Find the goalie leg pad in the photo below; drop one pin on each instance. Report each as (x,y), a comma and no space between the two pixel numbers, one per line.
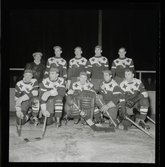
(70,110)
(87,100)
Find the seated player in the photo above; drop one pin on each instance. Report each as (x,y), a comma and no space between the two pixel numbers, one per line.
(109,97)
(83,94)
(136,96)
(52,93)
(26,99)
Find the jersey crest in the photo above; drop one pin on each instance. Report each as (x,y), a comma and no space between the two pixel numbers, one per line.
(27,87)
(52,85)
(98,61)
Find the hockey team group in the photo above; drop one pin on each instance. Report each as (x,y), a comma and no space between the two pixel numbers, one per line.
(81,90)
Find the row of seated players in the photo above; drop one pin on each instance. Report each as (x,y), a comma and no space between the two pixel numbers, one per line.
(50,99)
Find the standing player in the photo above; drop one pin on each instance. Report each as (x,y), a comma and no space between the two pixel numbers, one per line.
(52,93)
(97,64)
(37,67)
(58,61)
(120,64)
(26,98)
(76,65)
(136,96)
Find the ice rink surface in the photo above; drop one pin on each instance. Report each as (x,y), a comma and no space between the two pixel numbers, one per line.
(78,143)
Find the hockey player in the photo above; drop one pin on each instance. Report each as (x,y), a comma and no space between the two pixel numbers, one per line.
(136,96)
(26,99)
(76,65)
(82,93)
(97,64)
(110,96)
(59,62)
(37,67)
(120,64)
(52,94)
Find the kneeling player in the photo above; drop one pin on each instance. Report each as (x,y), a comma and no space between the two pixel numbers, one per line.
(26,98)
(136,96)
(82,94)
(109,98)
(52,94)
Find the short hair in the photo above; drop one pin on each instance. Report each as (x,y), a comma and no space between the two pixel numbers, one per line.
(98,46)
(77,47)
(57,47)
(129,70)
(122,48)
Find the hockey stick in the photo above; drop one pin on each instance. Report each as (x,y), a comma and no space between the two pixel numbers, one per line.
(139,127)
(108,114)
(20,127)
(38,138)
(91,124)
(151,120)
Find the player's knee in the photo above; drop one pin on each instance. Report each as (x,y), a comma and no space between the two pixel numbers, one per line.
(69,100)
(144,102)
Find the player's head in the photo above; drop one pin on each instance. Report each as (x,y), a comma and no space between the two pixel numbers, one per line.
(78,51)
(107,75)
(129,74)
(28,75)
(53,73)
(122,52)
(37,56)
(83,77)
(57,50)
(98,50)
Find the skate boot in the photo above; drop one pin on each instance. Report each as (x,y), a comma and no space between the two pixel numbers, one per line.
(66,119)
(83,122)
(143,124)
(36,121)
(76,120)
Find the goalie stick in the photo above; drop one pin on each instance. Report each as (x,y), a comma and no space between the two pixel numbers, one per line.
(92,125)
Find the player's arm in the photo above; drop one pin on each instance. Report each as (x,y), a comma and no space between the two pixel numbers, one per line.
(113,69)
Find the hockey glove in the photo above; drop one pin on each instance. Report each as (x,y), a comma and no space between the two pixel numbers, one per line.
(44,111)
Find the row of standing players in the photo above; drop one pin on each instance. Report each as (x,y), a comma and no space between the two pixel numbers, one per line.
(46,91)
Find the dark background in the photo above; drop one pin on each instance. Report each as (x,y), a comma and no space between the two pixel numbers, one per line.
(135,28)
(39,25)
